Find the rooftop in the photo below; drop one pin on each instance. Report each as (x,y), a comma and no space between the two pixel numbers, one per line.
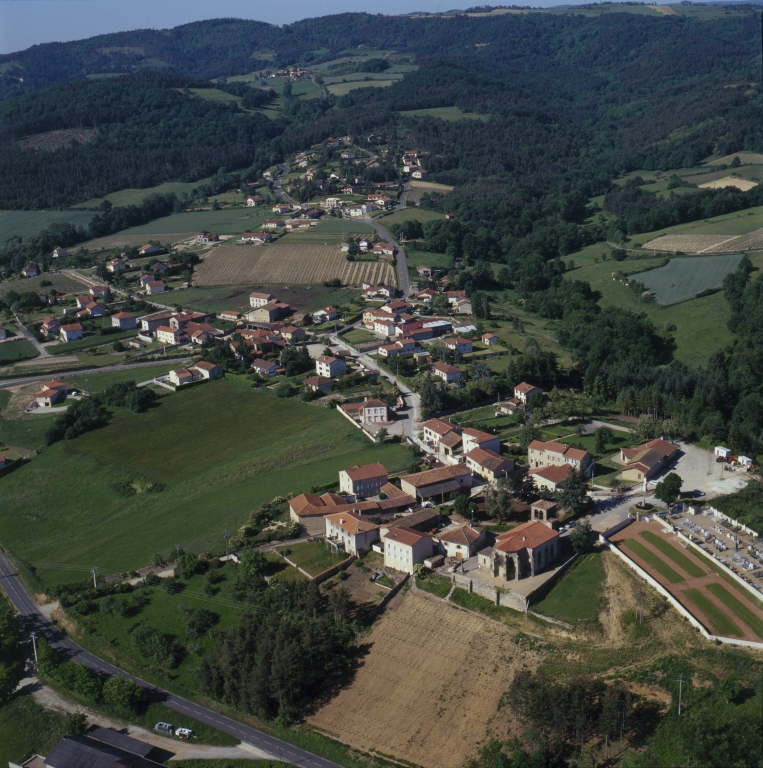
(404,535)
(526,535)
(366,472)
(432,476)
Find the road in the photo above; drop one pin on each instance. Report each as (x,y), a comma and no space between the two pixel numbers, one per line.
(31,339)
(88,371)
(35,621)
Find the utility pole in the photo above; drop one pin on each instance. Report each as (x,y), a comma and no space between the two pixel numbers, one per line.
(177,549)
(87,386)
(34,645)
(94,570)
(227,536)
(680,691)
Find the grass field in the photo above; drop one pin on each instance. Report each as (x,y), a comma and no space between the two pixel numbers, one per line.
(654,560)
(683,279)
(13,351)
(674,554)
(95,340)
(342,89)
(135,196)
(739,223)
(221,450)
(231,221)
(62,283)
(414,258)
(314,556)
(721,623)
(358,336)
(305,264)
(435,585)
(740,609)
(411,214)
(27,729)
(27,432)
(325,232)
(577,595)
(29,223)
(451,114)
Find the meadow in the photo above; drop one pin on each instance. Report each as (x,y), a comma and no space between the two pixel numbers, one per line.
(325,232)
(342,89)
(415,258)
(136,196)
(62,283)
(230,221)
(219,450)
(450,114)
(683,279)
(577,594)
(13,351)
(411,214)
(29,223)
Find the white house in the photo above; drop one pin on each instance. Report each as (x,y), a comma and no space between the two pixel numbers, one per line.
(71,332)
(362,481)
(459,345)
(354,532)
(475,438)
(446,372)
(524,391)
(125,321)
(154,286)
(256,237)
(324,315)
(489,339)
(260,299)
(265,368)
(167,335)
(254,200)
(182,376)
(329,366)
(405,547)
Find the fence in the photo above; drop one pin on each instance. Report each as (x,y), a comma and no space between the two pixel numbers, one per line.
(731,520)
(356,424)
(329,572)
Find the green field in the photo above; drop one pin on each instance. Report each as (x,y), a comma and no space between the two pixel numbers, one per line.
(342,89)
(27,432)
(314,556)
(435,585)
(326,232)
(683,279)
(97,382)
(415,258)
(206,445)
(358,336)
(62,283)
(577,594)
(29,223)
(135,196)
(231,221)
(749,617)
(27,729)
(450,114)
(88,342)
(722,624)
(411,214)
(653,559)
(13,351)
(674,554)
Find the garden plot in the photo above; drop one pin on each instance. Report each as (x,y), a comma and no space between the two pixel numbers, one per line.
(683,279)
(305,264)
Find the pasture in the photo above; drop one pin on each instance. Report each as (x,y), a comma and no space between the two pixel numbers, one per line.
(415,258)
(29,223)
(62,283)
(230,221)
(450,114)
(135,196)
(305,264)
(342,89)
(419,187)
(13,351)
(220,450)
(683,279)
(411,214)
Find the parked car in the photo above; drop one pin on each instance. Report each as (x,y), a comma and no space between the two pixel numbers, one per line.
(164,728)
(184,733)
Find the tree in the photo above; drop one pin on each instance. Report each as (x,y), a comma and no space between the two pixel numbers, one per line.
(579,535)
(574,494)
(11,657)
(75,724)
(122,693)
(603,437)
(669,489)
(284,389)
(381,435)
(463,504)
(498,499)
(523,487)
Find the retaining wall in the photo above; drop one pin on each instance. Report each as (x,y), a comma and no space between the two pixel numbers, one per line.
(731,520)
(356,424)
(329,572)
(507,599)
(379,608)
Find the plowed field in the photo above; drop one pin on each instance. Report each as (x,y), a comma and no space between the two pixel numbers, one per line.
(307,264)
(707,243)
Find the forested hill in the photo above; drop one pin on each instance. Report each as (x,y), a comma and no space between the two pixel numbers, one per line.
(225,47)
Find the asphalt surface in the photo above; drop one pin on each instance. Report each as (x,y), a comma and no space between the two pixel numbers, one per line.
(35,621)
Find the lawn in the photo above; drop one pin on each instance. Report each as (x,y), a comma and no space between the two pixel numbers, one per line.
(577,594)
(358,336)
(27,432)
(27,729)
(683,279)
(62,283)
(654,560)
(753,621)
(674,554)
(314,556)
(722,624)
(97,382)
(12,352)
(220,450)
(726,576)
(435,585)
(415,258)
(280,570)
(450,114)
(29,223)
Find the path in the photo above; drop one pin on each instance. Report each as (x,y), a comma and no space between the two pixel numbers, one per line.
(33,619)
(32,340)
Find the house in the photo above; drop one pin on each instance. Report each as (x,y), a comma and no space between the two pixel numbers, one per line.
(292,333)
(384,326)
(51,393)
(254,200)
(437,482)
(207,370)
(207,237)
(125,321)
(100,291)
(463,307)
(273,223)
(488,465)
(450,216)
(266,368)
(309,510)
(348,155)
(405,547)
(551,478)
(426,295)
(154,286)
(260,299)
(489,339)
(282,209)
(324,315)
(352,531)
(455,296)
(647,460)
(391,350)
(49,325)
(371,411)
(148,250)
(436,429)
(545,454)
(144,280)
(311,213)
(329,366)
(462,542)
(60,253)
(71,332)
(397,306)
(166,334)
(256,237)
(509,407)
(181,376)
(268,313)
(524,391)
(459,345)
(446,372)
(229,314)
(439,327)
(198,333)
(116,265)
(520,552)
(318,383)
(29,271)
(83,301)
(150,324)
(362,481)
(299,224)
(356,211)
(93,309)
(419,173)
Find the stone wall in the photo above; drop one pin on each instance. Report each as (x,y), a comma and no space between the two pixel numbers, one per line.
(507,599)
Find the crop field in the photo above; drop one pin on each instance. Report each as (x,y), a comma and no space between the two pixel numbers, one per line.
(13,351)
(751,242)
(426,702)
(688,575)
(730,181)
(305,264)
(451,114)
(208,449)
(30,223)
(126,240)
(683,279)
(688,243)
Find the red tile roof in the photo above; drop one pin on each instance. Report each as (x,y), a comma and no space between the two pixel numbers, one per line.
(432,476)
(464,534)
(404,535)
(367,472)
(554,474)
(525,536)
(352,522)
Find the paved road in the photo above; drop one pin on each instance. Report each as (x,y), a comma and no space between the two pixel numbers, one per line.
(88,371)
(22,601)
(402,266)
(31,339)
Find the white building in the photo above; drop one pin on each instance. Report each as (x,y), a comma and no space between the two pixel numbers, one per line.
(362,481)
(405,547)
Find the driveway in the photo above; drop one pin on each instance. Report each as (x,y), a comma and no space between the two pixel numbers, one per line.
(32,340)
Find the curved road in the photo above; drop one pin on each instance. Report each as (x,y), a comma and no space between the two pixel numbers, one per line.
(22,601)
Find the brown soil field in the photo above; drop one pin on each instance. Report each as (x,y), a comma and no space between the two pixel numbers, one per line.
(428,686)
(122,241)
(751,242)
(729,181)
(690,582)
(666,10)
(707,243)
(419,187)
(304,264)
